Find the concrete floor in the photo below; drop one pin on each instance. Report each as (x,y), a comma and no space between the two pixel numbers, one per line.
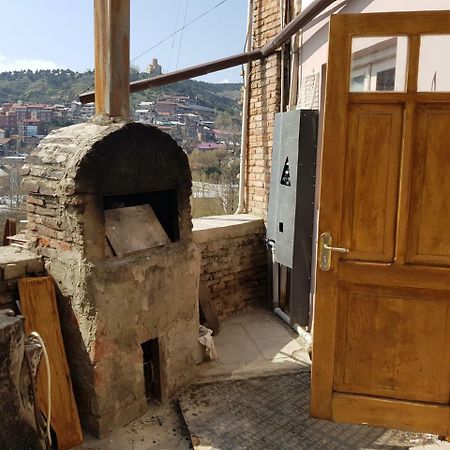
(254,343)
(161,428)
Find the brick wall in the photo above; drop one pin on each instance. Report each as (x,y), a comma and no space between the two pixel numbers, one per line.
(233,261)
(264,103)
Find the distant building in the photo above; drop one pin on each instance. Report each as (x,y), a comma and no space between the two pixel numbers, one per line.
(166,107)
(30,128)
(154,69)
(204,146)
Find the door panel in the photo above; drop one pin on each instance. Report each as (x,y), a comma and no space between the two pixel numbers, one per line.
(385,412)
(371,181)
(386,335)
(381,351)
(430,206)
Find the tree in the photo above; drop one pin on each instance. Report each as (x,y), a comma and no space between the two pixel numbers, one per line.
(215,175)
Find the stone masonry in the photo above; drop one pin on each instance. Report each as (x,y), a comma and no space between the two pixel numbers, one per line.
(14,264)
(110,306)
(264,103)
(234,261)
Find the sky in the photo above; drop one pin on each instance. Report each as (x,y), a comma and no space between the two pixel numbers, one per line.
(50,34)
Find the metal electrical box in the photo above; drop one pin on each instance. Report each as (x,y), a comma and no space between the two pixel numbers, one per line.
(291,202)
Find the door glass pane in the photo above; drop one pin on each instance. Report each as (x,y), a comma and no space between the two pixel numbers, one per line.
(379,64)
(434,64)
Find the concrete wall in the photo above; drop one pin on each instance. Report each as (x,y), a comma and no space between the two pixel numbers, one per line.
(138,298)
(233,261)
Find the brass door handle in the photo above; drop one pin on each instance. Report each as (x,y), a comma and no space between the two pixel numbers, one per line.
(325,249)
(336,249)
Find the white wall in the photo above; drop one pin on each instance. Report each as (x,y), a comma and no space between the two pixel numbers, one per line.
(314,38)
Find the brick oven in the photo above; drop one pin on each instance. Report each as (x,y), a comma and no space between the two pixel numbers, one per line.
(108,208)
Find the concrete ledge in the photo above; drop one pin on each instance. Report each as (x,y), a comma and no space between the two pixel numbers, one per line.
(212,228)
(16,262)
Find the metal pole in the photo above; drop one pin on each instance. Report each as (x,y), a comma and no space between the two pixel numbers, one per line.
(245,111)
(285,35)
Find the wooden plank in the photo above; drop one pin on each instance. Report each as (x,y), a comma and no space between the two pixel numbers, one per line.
(333,163)
(413,62)
(401,98)
(38,304)
(112,56)
(133,228)
(399,23)
(207,308)
(410,416)
(407,276)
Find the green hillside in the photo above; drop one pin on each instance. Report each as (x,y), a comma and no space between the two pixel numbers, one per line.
(63,86)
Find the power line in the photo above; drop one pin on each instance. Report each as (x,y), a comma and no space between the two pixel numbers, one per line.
(181,36)
(173,39)
(180,29)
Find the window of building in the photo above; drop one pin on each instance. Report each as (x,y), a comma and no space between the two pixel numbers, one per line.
(379,64)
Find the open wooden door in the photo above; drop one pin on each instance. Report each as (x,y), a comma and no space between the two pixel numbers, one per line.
(381,350)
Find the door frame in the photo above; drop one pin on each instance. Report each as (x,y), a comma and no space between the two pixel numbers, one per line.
(325,403)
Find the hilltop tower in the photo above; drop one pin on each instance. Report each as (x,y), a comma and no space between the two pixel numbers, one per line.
(154,69)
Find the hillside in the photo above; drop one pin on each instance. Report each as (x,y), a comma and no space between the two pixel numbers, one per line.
(63,86)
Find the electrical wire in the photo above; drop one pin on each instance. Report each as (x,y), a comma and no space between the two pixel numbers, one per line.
(173,39)
(36,335)
(180,29)
(162,41)
(182,32)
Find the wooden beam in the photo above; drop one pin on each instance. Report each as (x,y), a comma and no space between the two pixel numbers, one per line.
(112,56)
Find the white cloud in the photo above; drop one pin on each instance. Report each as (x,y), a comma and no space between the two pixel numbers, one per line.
(7,64)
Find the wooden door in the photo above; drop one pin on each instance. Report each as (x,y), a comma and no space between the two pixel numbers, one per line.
(381,350)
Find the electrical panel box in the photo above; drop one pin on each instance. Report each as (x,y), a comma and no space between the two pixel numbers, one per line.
(292,185)
(291,202)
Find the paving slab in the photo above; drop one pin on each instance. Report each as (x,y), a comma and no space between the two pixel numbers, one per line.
(272,413)
(254,343)
(263,328)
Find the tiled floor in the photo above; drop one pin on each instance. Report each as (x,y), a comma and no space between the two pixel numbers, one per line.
(254,342)
(272,413)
